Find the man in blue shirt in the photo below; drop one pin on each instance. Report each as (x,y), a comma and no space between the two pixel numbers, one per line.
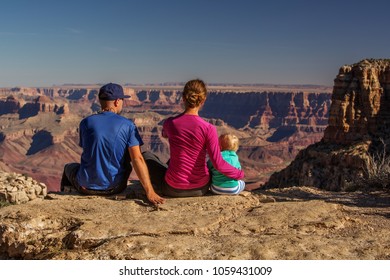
(109,143)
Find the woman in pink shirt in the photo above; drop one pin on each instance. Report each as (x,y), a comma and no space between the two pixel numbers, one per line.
(190,139)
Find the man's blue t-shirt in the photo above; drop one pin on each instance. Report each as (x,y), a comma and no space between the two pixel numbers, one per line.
(105,138)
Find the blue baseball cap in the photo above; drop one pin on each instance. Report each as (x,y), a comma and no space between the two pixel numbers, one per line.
(111,92)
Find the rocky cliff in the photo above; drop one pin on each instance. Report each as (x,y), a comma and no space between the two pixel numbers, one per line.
(359,118)
(360,103)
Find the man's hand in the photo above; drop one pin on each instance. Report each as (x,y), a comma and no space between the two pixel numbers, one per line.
(155,198)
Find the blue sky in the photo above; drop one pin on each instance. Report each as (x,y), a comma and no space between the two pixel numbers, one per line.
(43,43)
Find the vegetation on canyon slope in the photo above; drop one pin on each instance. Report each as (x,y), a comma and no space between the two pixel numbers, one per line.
(377,171)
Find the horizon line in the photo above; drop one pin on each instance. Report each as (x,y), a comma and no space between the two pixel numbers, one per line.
(165,84)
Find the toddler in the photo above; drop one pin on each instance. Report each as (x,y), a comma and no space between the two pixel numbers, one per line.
(220,183)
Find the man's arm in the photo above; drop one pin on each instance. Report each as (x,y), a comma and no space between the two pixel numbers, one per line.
(143,175)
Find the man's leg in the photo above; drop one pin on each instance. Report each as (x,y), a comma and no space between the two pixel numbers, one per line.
(123,185)
(64,181)
(69,176)
(157,170)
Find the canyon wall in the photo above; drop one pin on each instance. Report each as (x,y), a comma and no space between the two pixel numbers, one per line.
(359,121)
(273,127)
(269,110)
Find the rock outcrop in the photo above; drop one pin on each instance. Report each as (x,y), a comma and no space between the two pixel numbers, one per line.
(42,104)
(359,118)
(11,105)
(360,103)
(17,189)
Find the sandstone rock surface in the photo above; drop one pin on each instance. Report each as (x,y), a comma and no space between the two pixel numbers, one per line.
(291,223)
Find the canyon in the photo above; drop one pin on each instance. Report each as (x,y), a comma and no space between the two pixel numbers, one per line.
(302,212)
(39,126)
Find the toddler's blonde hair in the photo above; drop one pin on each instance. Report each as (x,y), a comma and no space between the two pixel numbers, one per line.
(228,142)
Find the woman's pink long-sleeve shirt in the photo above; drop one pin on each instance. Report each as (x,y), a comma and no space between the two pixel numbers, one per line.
(190,137)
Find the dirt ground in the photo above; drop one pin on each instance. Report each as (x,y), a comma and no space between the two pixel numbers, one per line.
(297,223)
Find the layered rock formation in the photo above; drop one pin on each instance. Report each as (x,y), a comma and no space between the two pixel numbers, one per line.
(39,145)
(272,126)
(269,110)
(359,117)
(360,103)
(11,105)
(26,109)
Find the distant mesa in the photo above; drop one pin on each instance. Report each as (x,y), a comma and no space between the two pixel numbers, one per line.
(81,94)
(359,117)
(11,105)
(30,108)
(43,99)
